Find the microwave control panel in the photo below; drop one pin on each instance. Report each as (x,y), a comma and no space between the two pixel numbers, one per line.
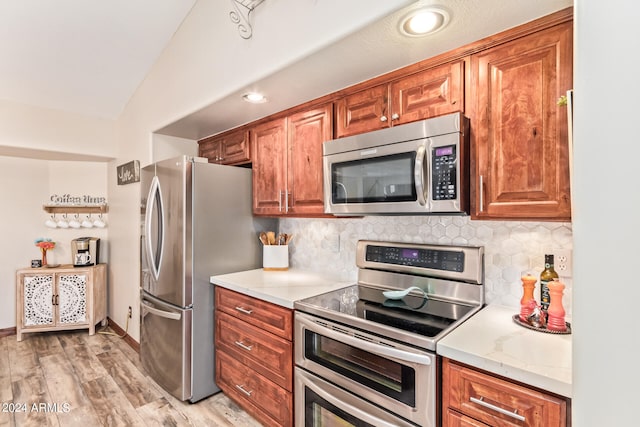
(444,172)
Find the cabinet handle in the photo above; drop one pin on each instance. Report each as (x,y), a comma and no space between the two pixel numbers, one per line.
(383,118)
(280,201)
(241,388)
(513,414)
(286,201)
(244,310)
(243,345)
(395,116)
(481,194)
(53,300)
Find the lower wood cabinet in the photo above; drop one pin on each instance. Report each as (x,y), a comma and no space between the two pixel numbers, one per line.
(63,298)
(471,397)
(254,356)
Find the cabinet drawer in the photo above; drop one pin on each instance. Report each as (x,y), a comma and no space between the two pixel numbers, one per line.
(266,353)
(270,404)
(270,317)
(495,401)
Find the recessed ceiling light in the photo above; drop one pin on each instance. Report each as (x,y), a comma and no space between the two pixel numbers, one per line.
(421,22)
(254,97)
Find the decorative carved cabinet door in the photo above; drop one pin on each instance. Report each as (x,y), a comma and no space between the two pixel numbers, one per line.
(72,302)
(38,300)
(521,142)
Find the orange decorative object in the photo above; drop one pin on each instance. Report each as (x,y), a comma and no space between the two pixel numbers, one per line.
(528,284)
(555,313)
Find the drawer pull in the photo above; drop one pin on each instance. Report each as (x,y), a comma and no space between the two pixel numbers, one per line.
(244,310)
(513,414)
(243,345)
(241,388)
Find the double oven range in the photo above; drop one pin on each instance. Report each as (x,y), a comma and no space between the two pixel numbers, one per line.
(363,359)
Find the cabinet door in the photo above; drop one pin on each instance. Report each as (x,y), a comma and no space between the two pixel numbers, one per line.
(307,131)
(522,153)
(363,111)
(429,93)
(210,149)
(268,145)
(494,401)
(231,148)
(37,293)
(72,299)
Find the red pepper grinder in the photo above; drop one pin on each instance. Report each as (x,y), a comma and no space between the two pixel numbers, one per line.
(528,284)
(555,312)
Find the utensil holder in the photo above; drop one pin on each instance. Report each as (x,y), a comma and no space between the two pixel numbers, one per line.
(275,257)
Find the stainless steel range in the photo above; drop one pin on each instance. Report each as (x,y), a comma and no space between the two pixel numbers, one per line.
(368,359)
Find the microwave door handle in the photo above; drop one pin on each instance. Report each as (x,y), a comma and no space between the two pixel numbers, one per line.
(419,175)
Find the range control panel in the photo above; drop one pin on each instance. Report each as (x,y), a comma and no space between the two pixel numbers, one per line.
(435,259)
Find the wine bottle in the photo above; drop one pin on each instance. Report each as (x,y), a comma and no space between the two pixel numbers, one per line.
(547,275)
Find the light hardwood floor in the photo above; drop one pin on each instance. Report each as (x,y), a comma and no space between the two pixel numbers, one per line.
(73,379)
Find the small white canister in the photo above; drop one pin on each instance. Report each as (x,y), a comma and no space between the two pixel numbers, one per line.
(275,257)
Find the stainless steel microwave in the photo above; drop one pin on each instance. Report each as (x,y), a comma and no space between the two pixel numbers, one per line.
(412,169)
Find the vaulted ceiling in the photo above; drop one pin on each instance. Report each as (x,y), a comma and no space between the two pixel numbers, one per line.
(89,56)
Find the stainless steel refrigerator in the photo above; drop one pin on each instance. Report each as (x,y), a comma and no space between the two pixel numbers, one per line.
(196,222)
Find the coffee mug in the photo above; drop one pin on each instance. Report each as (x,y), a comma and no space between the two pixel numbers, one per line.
(99,222)
(83,258)
(87,223)
(51,223)
(62,223)
(74,223)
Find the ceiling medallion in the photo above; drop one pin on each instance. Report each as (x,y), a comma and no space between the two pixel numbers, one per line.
(240,15)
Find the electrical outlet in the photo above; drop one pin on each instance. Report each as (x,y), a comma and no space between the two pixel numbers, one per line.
(563,262)
(129,313)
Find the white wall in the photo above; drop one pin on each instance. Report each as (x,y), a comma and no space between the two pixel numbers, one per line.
(166,147)
(26,185)
(196,69)
(26,129)
(606,220)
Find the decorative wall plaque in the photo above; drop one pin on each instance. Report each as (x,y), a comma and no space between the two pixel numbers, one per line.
(129,172)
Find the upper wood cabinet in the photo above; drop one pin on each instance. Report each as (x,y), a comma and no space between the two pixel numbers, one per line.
(287,163)
(229,148)
(519,133)
(428,93)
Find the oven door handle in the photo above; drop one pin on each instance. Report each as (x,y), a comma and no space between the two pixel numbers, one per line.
(384,351)
(310,382)
(419,175)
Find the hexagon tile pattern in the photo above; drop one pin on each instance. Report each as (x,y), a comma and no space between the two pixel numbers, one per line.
(511,247)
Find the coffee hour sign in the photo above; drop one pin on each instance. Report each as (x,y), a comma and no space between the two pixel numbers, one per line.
(128,173)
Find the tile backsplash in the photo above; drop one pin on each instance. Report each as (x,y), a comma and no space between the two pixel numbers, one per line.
(511,247)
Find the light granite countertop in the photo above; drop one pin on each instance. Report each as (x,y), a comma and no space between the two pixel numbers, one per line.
(279,287)
(491,341)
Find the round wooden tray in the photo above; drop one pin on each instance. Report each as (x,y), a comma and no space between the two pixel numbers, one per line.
(516,320)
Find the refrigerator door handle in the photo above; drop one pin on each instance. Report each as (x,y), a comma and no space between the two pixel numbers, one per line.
(146,298)
(154,204)
(161,313)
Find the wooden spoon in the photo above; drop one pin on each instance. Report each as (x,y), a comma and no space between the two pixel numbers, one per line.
(263,238)
(272,237)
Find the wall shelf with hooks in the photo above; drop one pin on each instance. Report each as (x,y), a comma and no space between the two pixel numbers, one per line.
(76,209)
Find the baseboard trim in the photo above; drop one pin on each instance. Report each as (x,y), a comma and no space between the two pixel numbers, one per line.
(127,338)
(7,332)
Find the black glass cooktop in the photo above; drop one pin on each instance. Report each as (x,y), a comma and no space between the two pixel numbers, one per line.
(367,308)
